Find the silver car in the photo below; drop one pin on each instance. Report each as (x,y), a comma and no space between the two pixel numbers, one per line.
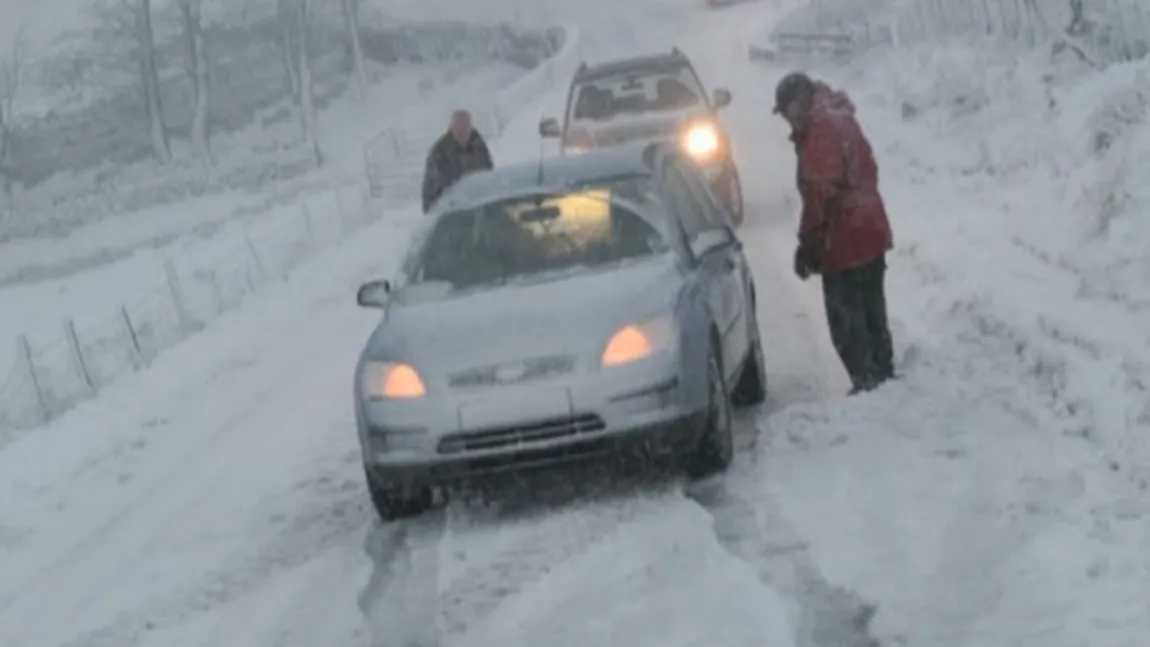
(573,309)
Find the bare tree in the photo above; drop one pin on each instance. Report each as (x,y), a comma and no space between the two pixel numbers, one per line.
(197,68)
(11,76)
(351,21)
(285,10)
(295,20)
(150,80)
(1077,23)
(309,120)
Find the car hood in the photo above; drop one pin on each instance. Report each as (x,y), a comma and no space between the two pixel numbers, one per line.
(572,316)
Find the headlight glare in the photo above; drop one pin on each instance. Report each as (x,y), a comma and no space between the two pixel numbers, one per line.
(391,381)
(638,341)
(702,141)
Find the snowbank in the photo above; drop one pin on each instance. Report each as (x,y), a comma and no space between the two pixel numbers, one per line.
(1041,231)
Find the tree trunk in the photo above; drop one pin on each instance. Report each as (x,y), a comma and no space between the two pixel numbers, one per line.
(198,71)
(5,154)
(150,81)
(288,47)
(1077,18)
(306,98)
(351,21)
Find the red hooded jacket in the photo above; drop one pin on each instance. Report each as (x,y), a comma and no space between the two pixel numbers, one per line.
(844,222)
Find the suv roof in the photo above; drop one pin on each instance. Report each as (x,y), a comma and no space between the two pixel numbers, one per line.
(675,58)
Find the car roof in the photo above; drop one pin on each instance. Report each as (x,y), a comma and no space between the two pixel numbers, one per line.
(636,64)
(523,178)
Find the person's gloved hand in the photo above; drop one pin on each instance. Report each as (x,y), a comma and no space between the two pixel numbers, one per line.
(804,263)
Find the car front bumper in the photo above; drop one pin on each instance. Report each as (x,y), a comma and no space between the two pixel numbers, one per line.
(636,412)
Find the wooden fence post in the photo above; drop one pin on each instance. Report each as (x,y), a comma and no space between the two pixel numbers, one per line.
(134,351)
(24,352)
(77,354)
(182,315)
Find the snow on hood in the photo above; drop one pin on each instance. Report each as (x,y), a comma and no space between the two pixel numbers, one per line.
(571,315)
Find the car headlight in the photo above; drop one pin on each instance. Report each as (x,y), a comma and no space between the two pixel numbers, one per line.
(702,141)
(575,149)
(390,381)
(638,341)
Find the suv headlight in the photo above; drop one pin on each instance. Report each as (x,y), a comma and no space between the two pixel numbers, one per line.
(702,141)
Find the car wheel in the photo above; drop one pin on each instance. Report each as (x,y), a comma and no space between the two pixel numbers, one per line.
(393,504)
(752,386)
(716,449)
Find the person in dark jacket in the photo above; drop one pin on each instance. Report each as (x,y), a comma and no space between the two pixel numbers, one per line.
(461,150)
(844,232)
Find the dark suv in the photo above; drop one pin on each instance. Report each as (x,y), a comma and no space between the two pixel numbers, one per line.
(652,98)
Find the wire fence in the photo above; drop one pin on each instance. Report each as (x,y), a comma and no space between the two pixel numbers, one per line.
(48,378)
(1105,30)
(1110,29)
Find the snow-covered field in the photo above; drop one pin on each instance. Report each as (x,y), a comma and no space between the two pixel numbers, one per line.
(995,495)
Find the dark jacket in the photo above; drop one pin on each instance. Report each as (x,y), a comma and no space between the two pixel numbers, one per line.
(448,161)
(844,222)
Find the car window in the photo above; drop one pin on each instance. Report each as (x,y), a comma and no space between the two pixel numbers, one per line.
(536,237)
(684,203)
(660,89)
(714,214)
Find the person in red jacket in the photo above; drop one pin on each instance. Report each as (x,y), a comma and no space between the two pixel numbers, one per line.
(844,233)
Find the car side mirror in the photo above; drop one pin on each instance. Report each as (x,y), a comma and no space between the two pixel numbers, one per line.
(373,294)
(711,240)
(722,98)
(549,128)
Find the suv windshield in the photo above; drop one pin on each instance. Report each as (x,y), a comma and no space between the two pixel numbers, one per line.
(655,90)
(531,236)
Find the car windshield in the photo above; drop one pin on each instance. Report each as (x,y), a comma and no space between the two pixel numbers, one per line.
(656,90)
(530,237)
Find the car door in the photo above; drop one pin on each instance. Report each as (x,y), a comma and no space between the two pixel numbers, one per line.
(728,263)
(715,271)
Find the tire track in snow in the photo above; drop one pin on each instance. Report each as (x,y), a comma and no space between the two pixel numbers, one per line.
(436,576)
(827,615)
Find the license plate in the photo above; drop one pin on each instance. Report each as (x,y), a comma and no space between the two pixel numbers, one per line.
(524,405)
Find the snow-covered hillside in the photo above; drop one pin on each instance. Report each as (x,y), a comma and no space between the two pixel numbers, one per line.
(1007,471)
(994,496)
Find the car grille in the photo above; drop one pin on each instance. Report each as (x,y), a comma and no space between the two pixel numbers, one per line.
(511,436)
(532,369)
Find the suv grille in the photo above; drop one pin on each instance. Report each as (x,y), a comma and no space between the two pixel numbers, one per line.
(499,437)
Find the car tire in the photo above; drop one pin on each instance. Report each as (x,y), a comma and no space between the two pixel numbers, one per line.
(716,448)
(393,504)
(752,386)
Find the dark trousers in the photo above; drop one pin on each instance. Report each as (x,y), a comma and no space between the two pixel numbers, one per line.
(856,312)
